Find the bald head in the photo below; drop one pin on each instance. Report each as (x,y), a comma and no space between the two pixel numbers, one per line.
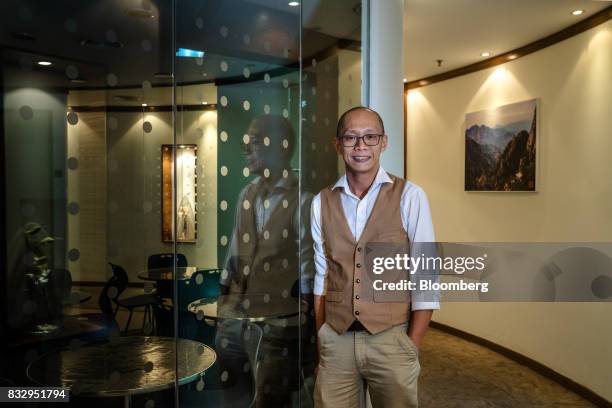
(355,110)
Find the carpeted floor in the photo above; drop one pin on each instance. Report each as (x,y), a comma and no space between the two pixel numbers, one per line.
(458,373)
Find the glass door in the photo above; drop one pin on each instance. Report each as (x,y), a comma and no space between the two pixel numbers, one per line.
(159,161)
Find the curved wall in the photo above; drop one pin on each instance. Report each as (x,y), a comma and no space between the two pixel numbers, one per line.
(574,201)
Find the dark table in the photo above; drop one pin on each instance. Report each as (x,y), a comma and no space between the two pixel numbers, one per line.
(125,366)
(251,307)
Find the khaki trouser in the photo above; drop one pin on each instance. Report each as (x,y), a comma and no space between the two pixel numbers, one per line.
(386,362)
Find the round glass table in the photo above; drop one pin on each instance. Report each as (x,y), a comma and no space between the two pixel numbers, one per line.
(251,307)
(124,366)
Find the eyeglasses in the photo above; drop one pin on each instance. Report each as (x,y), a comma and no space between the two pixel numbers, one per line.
(369,140)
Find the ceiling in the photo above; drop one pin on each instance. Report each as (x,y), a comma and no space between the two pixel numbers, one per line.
(103,44)
(458,31)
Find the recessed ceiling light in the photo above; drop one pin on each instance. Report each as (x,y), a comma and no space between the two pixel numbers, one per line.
(44,63)
(294,3)
(204,103)
(405,80)
(577,12)
(485,54)
(144,105)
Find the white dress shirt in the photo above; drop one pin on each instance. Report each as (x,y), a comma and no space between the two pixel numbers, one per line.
(265,204)
(416,220)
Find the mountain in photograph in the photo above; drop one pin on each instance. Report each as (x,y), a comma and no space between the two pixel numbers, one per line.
(501,158)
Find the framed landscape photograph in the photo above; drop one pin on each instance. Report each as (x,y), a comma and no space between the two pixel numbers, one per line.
(500,148)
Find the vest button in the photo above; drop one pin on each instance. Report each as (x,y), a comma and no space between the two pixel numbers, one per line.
(359,265)
(356,312)
(357,280)
(357,297)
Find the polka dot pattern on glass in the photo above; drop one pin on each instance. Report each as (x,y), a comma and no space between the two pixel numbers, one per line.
(26,112)
(72,163)
(72,118)
(73,208)
(74,254)
(72,72)
(111,79)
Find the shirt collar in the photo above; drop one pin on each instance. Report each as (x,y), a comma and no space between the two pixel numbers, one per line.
(381,178)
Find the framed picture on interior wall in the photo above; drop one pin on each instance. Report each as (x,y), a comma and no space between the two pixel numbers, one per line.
(186,182)
(501,148)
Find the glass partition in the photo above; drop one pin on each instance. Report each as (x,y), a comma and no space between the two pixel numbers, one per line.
(159,161)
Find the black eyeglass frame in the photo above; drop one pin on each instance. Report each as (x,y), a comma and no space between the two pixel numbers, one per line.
(363,138)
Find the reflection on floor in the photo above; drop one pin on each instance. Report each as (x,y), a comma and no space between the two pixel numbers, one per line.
(459,373)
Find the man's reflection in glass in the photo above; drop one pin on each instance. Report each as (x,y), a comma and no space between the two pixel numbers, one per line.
(269,260)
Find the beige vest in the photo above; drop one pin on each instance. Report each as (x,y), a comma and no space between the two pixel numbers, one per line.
(350,295)
(271,256)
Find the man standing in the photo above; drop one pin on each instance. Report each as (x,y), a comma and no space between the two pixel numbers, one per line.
(361,340)
(266,261)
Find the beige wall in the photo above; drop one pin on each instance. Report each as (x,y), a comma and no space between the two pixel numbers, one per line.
(86,185)
(118,185)
(572,79)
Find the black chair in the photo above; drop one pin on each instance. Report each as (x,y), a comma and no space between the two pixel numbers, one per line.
(157,261)
(105,319)
(120,279)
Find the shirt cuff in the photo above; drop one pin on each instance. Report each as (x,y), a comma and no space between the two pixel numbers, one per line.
(425,306)
(319,286)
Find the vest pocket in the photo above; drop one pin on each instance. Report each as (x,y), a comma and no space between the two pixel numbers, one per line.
(333,296)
